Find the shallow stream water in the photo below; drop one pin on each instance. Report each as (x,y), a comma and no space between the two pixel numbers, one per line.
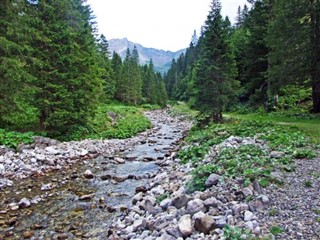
(75,207)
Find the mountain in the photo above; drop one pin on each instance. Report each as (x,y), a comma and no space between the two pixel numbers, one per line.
(161,59)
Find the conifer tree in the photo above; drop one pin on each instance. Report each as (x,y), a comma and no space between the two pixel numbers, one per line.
(68,83)
(106,70)
(216,66)
(14,72)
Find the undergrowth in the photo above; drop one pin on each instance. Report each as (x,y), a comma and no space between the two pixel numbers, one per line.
(250,162)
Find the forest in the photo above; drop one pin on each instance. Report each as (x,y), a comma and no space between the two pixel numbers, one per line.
(267,61)
(56,70)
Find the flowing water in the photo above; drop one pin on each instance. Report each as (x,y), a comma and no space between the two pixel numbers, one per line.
(75,207)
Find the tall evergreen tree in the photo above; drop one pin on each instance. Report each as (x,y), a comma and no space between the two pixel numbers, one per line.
(106,68)
(216,66)
(14,51)
(68,82)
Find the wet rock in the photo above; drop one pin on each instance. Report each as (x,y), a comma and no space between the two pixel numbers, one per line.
(88,174)
(119,160)
(24,203)
(13,206)
(185,226)
(121,178)
(86,197)
(28,234)
(62,236)
(47,187)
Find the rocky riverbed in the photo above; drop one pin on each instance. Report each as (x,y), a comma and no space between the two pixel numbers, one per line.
(136,189)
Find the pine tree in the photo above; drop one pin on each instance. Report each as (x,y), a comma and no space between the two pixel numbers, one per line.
(68,83)
(216,66)
(106,73)
(14,73)
(254,77)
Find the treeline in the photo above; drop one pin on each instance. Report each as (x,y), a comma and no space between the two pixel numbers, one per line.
(55,69)
(273,49)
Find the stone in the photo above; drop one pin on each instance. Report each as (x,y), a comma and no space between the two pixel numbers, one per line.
(52,151)
(164,204)
(221,222)
(185,226)
(180,201)
(195,205)
(47,187)
(248,216)
(28,234)
(247,192)
(276,154)
(2,169)
(139,224)
(92,150)
(238,208)
(204,224)
(165,236)
(24,203)
(211,202)
(88,174)
(174,231)
(213,179)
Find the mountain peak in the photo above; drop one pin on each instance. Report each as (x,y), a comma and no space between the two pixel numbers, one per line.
(161,59)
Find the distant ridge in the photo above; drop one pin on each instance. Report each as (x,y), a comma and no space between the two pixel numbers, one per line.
(161,59)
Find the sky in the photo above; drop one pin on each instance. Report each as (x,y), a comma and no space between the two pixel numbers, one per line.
(160,24)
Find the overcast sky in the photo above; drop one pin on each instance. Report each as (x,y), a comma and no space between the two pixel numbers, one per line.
(161,24)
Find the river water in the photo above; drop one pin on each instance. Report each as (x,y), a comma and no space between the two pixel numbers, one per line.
(71,206)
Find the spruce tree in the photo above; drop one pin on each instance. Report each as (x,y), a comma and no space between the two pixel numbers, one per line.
(106,72)
(68,83)
(216,67)
(14,74)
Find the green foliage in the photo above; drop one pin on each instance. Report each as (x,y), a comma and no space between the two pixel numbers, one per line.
(200,175)
(124,122)
(273,212)
(215,73)
(308,183)
(276,230)
(13,139)
(304,153)
(236,233)
(148,106)
(162,197)
(250,162)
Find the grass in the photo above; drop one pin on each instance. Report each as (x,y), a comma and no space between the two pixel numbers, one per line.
(182,108)
(113,121)
(311,127)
